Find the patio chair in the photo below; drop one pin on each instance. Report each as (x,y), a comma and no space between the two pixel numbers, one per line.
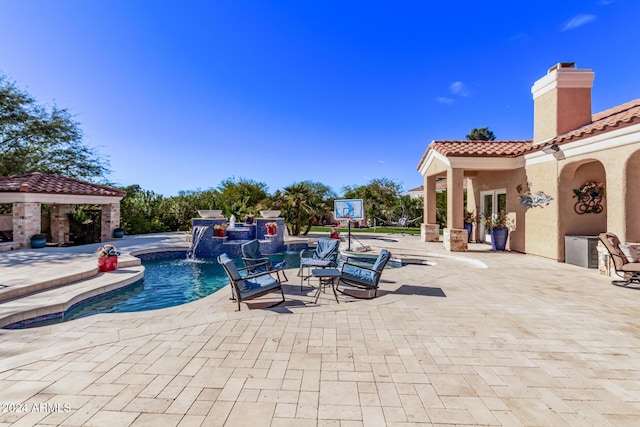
(363,277)
(628,269)
(252,285)
(325,255)
(255,260)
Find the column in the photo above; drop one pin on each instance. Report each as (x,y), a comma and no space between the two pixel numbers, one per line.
(430,230)
(60,223)
(110,221)
(455,236)
(26,222)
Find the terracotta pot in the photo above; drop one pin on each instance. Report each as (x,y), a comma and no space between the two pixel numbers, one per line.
(220,232)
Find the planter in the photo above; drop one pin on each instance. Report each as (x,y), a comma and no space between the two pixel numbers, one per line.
(469,227)
(334,235)
(271,230)
(499,237)
(220,232)
(107,263)
(248,220)
(118,233)
(38,241)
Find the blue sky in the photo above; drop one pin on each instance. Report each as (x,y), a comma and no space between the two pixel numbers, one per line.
(181,95)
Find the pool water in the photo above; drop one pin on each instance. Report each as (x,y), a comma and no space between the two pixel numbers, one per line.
(167,282)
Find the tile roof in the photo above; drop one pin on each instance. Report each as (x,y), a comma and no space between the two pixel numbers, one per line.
(421,188)
(623,115)
(40,183)
(463,148)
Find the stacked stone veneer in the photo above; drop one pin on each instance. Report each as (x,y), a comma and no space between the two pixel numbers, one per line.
(110,221)
(455,240)
(60,223)
(211,246)
(26,222)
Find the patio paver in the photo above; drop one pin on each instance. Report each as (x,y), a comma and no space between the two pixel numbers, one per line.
(524,341)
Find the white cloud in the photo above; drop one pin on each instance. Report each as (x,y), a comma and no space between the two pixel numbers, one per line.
(578,21)
(444,100)
(380,161)
(606,2)
(459,88)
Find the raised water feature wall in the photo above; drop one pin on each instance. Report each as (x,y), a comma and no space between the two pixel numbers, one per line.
(208,245)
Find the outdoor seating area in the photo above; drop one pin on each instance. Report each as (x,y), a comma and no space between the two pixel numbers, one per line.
(362,277)
(625,259)
(325,255)
(433,347)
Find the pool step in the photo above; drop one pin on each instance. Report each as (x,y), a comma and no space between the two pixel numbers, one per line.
(59,299)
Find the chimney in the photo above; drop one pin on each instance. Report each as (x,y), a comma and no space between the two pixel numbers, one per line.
(561,101)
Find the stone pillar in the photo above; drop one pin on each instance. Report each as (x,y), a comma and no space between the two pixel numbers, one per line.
(60,223)
(455,240)
(455,236)
(110,221)
(26,222)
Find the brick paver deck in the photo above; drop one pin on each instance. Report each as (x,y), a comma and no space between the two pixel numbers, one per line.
(525,341)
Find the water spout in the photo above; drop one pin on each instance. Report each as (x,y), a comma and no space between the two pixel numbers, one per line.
(196,235)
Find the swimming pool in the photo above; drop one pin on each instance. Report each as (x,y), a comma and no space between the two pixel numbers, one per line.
(170,279)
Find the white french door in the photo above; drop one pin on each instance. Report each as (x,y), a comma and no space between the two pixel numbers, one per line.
(491,202)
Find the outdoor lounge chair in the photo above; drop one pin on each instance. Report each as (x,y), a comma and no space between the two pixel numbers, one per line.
(325,255)
(250,286)
(364,277)
(255,260)
(628,270)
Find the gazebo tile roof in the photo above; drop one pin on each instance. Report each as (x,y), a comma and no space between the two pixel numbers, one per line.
(37,182)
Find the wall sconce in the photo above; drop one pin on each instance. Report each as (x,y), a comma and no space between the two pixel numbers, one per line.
(551,148)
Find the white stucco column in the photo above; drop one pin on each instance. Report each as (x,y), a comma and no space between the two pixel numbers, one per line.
(26,222)
(110,221)
(429,231)
(455,236)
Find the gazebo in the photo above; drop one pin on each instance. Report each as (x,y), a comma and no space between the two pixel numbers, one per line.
(29,192)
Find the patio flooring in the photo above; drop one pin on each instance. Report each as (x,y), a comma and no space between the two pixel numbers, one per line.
(479,338)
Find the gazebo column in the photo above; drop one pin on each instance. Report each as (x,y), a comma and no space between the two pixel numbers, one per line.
(455,236)
(26,222)
(60,223)
(430,230)
(110,221)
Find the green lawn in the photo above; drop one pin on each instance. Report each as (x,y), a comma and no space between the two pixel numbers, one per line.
(343,230)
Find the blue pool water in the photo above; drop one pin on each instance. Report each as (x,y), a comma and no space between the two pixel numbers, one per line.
(168,281)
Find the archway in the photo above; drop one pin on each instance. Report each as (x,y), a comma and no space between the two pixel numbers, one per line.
(574,218)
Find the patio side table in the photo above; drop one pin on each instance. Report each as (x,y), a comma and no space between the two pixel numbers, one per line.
(327,276)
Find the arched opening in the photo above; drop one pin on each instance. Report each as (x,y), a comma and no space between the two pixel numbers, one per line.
(574,218)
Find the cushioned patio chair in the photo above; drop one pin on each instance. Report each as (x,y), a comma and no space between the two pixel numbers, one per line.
(362,277)
(250,286)
(255,260)
(325,255)
(625,260)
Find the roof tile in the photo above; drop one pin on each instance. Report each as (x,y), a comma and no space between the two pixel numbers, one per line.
(40,183)
(463,148)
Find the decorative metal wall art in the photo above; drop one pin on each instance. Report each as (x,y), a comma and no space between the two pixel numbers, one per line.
(589,198)
(540,199)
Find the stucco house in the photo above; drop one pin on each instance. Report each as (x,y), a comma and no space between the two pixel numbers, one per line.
(571,147)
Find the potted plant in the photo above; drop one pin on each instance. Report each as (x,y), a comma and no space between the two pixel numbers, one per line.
(220,229)
(335,234)
(107,258)
(118,233)
(248,218)
(38,241)
(469,219)
(497,224)
(272,228)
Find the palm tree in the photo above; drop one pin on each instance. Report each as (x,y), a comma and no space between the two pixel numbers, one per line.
(297,196)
